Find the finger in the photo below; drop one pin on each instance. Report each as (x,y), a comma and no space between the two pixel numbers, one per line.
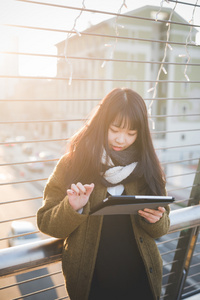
(70,192)
(162,209)
(75,188)
(89,188)
(150,217)
(81,188)
(153,212)
(153,219)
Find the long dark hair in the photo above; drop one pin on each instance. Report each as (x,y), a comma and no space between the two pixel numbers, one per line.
(86,146)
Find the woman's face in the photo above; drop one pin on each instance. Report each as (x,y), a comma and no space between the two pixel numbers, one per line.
(120,138)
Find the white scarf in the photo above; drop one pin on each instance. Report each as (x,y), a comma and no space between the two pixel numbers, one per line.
(116,174)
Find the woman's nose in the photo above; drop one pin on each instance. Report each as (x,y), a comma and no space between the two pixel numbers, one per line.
(120,138)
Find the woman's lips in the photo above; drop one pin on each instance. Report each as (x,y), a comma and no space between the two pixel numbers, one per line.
(117,148)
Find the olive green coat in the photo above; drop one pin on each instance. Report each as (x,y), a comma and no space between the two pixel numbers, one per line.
(82,234)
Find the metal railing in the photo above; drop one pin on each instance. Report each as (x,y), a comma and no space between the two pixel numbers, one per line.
(20,259)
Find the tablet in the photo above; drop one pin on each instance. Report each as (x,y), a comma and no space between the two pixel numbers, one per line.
(126,204)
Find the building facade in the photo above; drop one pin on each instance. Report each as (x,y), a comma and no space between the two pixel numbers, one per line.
(141,44)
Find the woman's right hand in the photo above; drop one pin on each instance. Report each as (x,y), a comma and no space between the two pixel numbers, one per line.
(79,194)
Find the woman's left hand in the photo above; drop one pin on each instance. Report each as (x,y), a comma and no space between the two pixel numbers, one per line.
(152,215)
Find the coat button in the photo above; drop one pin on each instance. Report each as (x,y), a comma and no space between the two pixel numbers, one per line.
(141,239)
(151,270)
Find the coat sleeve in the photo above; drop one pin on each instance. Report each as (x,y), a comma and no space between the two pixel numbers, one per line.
(56,217)
(159,228)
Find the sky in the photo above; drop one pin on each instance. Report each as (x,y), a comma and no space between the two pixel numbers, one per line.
(43,16)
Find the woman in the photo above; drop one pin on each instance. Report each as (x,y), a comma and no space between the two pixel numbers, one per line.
(108,257)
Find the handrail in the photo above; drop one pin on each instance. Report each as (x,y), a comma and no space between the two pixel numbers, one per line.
(184,218)
(19,259)
(22,258)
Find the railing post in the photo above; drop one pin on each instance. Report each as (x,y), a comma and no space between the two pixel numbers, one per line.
(186,244)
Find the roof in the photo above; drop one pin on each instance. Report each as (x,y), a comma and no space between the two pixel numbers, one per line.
(139,12)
